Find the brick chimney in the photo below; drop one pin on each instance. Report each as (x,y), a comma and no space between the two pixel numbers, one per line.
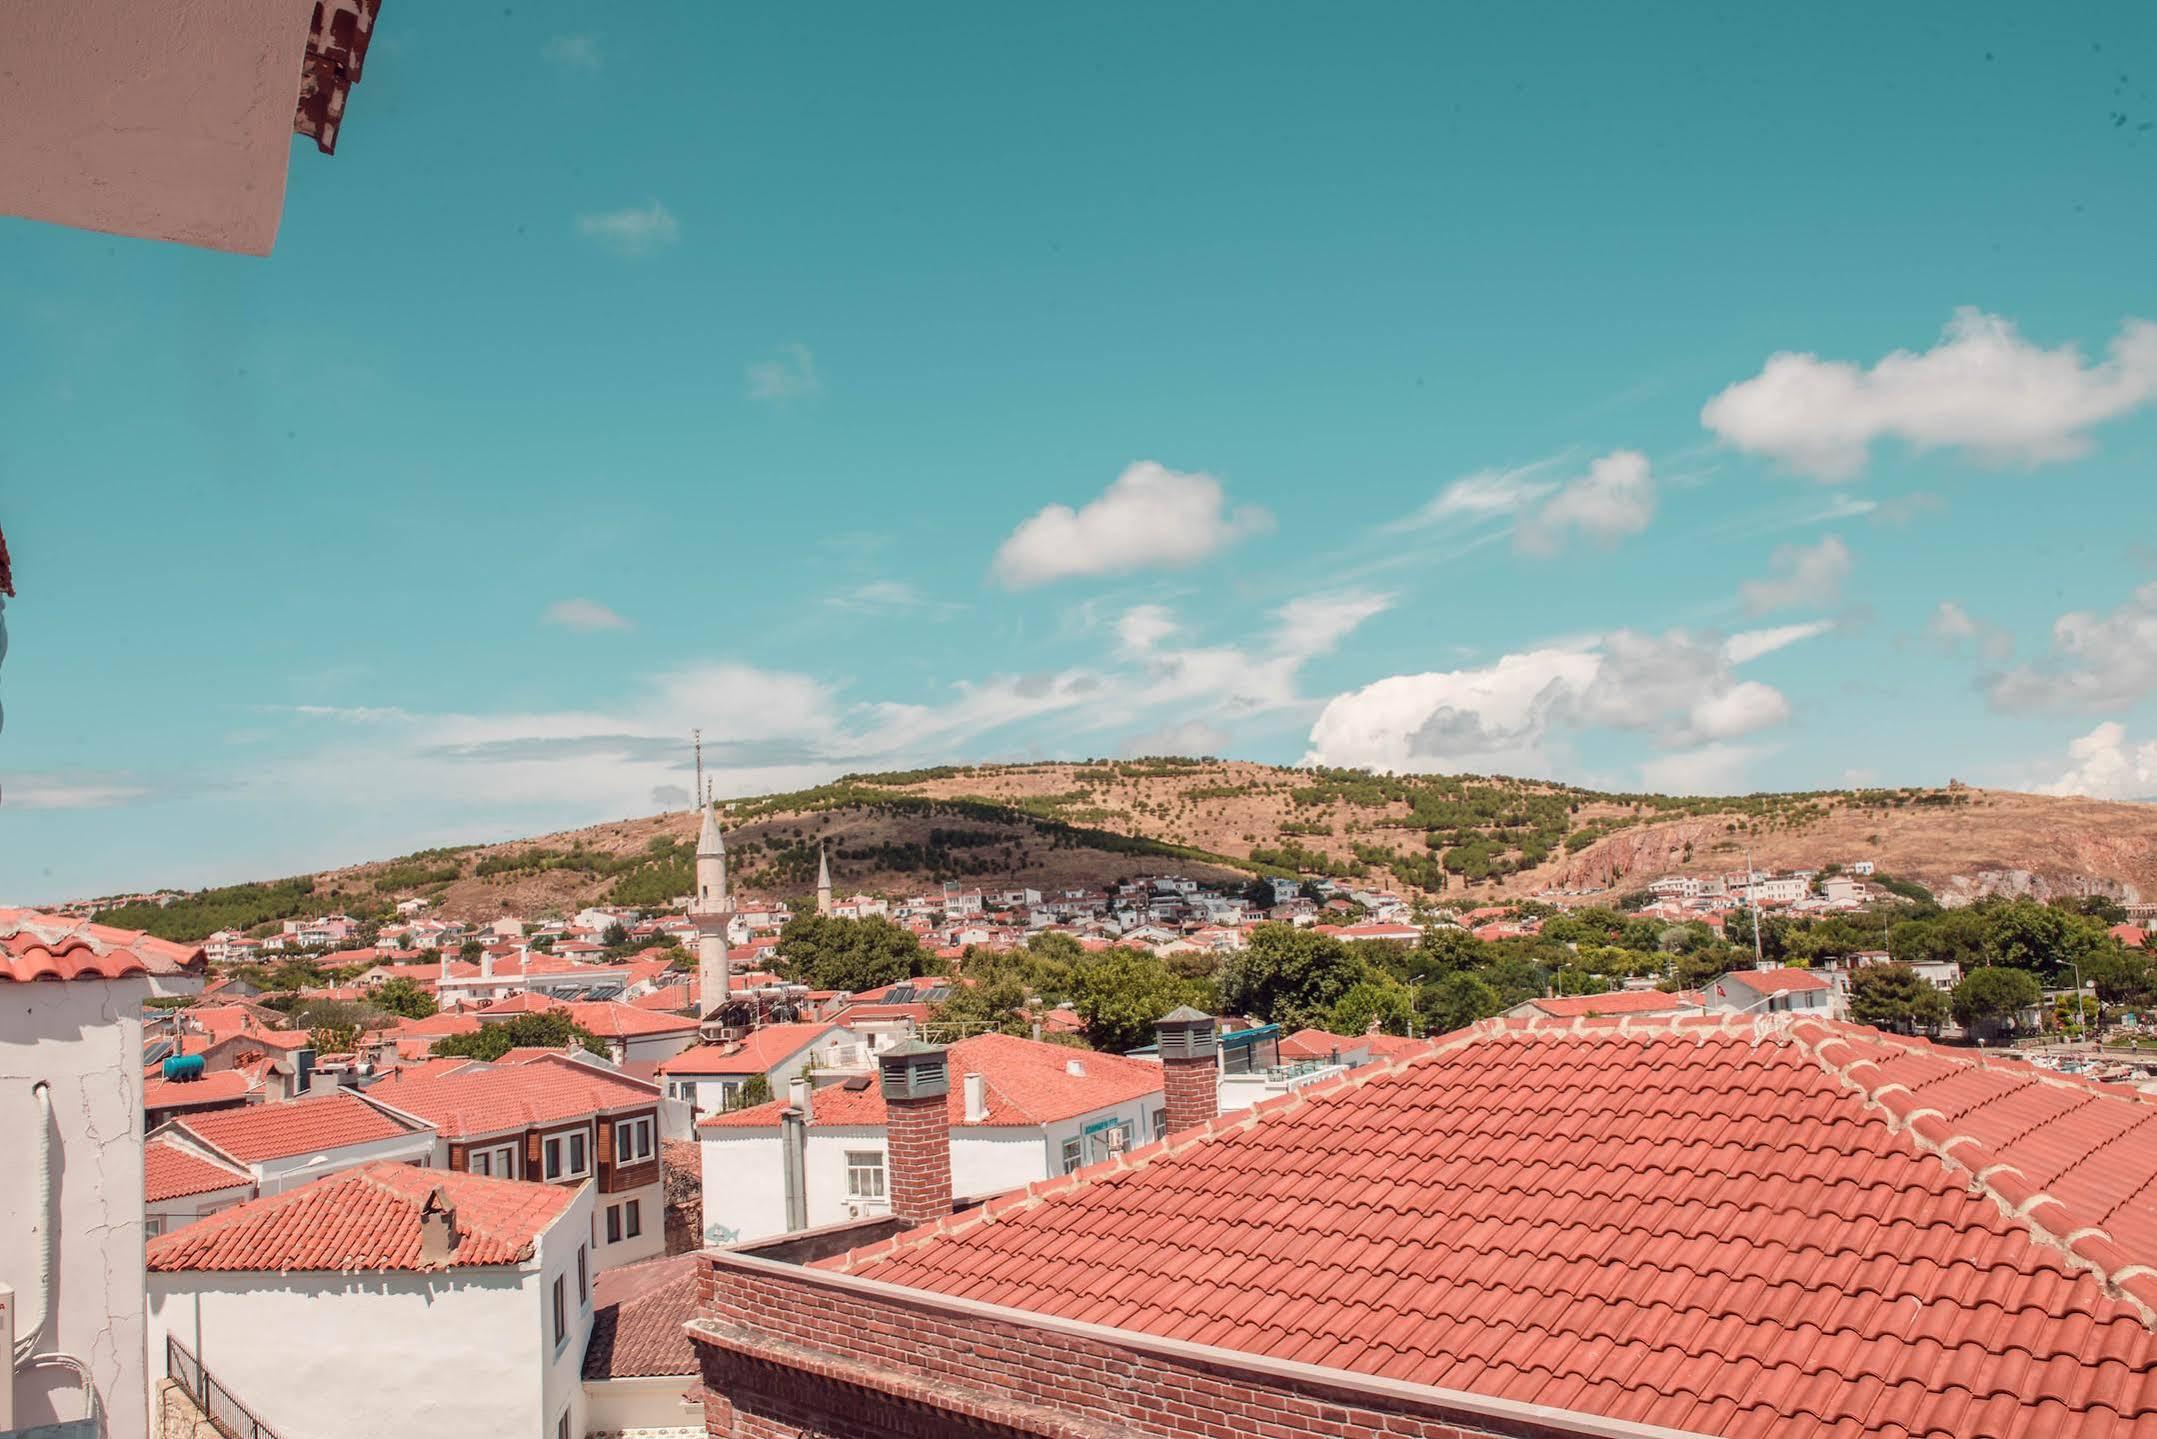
(917,1099)
(1190,1067)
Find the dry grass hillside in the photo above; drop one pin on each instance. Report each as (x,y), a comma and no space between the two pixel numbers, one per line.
(1048,825)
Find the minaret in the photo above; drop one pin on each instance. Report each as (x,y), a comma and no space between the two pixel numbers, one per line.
(823,881)
(712,909)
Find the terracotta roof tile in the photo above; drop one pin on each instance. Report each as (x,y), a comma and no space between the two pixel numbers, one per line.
(221,1087)
(638,1312)
(1623,1001)
(495,1099)
(761,1052)
(1028,1083)
(365,1219)
(1777,981)
(300,1126)
(36,946)
(172,1171)
(1731,1226)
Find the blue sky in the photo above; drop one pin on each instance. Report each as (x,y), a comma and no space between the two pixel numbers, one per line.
(1383,387)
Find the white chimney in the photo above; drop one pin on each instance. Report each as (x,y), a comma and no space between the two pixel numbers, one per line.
(1076,1068)
(445,964)
(486,964)
(977,1098)
(799,1093)
(437,1231)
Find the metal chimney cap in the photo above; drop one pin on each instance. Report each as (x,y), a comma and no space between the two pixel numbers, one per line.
(914,1070)
(1185,1033)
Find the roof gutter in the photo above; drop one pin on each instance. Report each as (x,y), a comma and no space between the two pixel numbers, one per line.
(1361,1388)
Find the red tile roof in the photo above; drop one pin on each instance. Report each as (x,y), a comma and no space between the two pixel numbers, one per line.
(603,1018)
(763,1051)
(366,1219)
(1029,1083)
(439,1025)
(496,1099)
(1623,1001)
(1729,1226)
(638,1312)
(221,1087)
(172,1172)
(301,1126)
(36,946)
(1322,1044)
(1777,981)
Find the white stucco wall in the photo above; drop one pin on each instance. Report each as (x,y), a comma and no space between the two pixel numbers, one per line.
(84,1039)
(274,1176)
(168,119)
(328,1356)
(652,1218)
(613,1406)
(745,1178)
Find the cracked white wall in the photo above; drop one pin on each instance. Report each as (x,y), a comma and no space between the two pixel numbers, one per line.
(84,1039)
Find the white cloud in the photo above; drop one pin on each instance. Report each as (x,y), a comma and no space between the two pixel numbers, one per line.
(891,596)
(1150,517)
(790,376)
(1800,575)
(1314,624)
(1711,769)
(1679,689)
(1983,389)
(1752,644)
(1614,499)
(572,52)
(2102,765)
(637,231)
(1192,737)
(2097,661)
(1955,630)
(582,615)
(1142,627)
(70,790)
(1481,495)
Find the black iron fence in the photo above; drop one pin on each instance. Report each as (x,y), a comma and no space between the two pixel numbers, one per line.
(212,1398)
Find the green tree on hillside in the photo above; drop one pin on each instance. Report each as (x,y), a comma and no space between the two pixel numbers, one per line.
(551,1029)
(1894,998)
(1288,976)
(401,996)
(849,954)
(1993,998)
(1122,992)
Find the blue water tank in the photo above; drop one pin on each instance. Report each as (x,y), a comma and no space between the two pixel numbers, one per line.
(183,1066)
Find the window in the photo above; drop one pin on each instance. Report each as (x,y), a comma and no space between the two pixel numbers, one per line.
(864,1174)
(614,1224)
(567,1157)
(153,1225)
(632,1140)
(632,1219)
(1160,1124)
(561,1425)
(584,1279)
(500,1161)
(561,1312)
(1071,1155)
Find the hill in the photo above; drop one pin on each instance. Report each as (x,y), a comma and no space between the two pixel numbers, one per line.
(1054,824)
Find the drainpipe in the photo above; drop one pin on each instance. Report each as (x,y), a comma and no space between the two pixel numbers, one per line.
(793,1145)
(48,1230)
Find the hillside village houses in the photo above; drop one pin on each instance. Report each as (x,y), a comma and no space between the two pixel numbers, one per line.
(444,1196)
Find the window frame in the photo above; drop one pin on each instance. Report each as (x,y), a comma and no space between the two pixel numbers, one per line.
(640,1128)
(1074,1153)
(632,1219)
(561,1310)
(567,1155)
(863,1165)
(614,1224)
(584,1277)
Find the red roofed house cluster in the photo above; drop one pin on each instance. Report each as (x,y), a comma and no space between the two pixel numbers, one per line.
(1019,1110)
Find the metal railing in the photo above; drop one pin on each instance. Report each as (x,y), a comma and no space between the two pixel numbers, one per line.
(228,1414)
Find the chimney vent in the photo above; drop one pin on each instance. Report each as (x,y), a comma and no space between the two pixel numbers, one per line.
(1076,1068)
(1190,1067)
(977,1098)
(916,1080)
(437,1231)
(800,1093)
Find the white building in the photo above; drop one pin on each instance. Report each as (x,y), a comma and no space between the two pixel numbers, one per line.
(1771,991)
(71,1178)
(388,1300)
(711,1076)
(181,1185)
(282,1145)
(1020,1111)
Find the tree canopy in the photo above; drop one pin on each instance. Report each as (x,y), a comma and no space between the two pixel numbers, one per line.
(851,954)
(550,1029)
